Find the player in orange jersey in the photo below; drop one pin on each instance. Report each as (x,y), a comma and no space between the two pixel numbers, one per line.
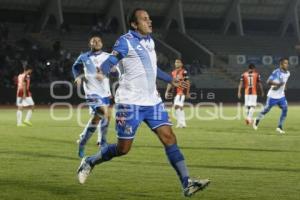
(24,98)
(180,73)
(250,79)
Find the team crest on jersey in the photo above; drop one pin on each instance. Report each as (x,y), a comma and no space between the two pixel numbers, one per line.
(128,130)
(96,61)
(149,48)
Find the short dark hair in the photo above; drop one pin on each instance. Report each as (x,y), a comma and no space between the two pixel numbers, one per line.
(94,35)
(132,17)
(251,66)
(283,59)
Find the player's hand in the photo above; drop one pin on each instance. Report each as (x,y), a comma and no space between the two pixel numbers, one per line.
(100,76)
(239,95)
(78,81)
(180,84)
(188,96)
(168,95)
(276,86)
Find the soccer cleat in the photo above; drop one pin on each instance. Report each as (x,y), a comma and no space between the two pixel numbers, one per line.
(254,124)
(279,130)
(194,186)
(83,171)
(81,151)
(80,138)
(27,123)
(180,126)
(21,125)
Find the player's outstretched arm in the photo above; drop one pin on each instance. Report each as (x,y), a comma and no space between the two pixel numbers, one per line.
(107,65)
(120,50)
(76,70)
(276,85)
(164,76)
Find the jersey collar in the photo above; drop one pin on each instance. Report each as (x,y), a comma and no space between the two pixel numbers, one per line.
(281,70)
(91,53)
(139,36)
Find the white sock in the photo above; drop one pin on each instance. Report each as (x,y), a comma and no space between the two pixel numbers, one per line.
(178,116)
(182,114)
(250,113)
(19,117)
(28,115)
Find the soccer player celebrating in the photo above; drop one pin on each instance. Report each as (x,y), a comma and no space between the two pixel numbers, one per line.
(181,74)
(24,98)
(137,100)
(250,79)
(97,91)
(276,95)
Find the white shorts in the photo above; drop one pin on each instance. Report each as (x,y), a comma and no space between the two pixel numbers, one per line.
(179,100)
(250,100)
(24,102)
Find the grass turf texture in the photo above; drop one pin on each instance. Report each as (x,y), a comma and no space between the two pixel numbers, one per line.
(40,162)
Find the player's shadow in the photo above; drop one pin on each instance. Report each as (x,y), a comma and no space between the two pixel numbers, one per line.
(37,155)
(41,186)
(222,149)
(51,140)
(222,167)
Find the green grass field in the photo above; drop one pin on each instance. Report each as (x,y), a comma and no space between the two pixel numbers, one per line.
(40,162)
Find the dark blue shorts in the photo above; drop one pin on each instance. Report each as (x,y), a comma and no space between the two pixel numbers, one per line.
(282,102)
(94,101)
(129,117)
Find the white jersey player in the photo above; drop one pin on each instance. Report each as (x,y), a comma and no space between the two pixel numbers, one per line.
(97,91)
(276,95)
(137,101)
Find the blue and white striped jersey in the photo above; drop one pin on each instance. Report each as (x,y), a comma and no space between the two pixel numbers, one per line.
(138,64)
(278,76)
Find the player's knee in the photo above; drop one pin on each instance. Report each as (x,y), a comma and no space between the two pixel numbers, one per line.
(284,110)
(95,120)
(123,151)
(266,109)
(168,138)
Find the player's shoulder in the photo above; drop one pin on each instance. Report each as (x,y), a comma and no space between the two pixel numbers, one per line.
(276,71)
(21,75)
(126,36)
(245,73)
(84,54)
